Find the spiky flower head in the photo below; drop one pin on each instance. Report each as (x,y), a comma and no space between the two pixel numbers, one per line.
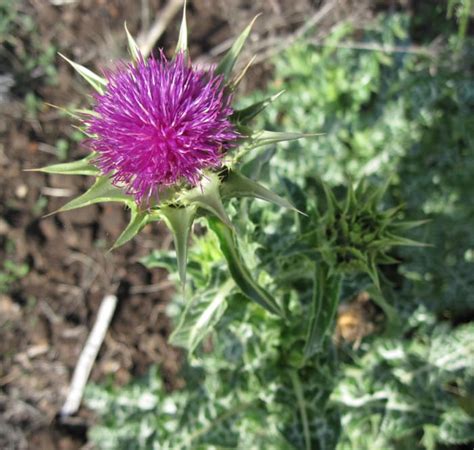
(353,233)
(158,123)
(160,134)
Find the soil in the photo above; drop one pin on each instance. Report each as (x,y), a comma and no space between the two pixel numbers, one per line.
(45,316)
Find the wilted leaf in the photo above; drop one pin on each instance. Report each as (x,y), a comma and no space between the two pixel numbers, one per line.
(132,45)
(182,45)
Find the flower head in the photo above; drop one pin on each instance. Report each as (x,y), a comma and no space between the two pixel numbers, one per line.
(158,123)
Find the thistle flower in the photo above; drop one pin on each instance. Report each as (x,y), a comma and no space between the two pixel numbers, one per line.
(159,130)
(158,123)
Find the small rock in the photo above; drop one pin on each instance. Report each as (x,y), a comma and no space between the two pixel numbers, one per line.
(4,227)
(21,191)
(9,310)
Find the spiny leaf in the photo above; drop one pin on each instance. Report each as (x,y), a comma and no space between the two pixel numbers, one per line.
(97,82)
(393,318)
(408,225)
(180,221)
(200,316)
(374,198)
(207,196)
(138,220)
(350,200)
(101,191)
(227,64)
(79,167)
(238,185)
(371,269)
(75,113)
(323,308)
(392,239)
(261,138)
(182,45)
(238,270)
(245,115)
(331,201)
(237,79)
(133,47)
(383,258)
(163,259)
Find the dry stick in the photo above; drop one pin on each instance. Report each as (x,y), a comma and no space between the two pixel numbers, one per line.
(88,356)
(266,48)
(375,47)
(292,38)
(147,40)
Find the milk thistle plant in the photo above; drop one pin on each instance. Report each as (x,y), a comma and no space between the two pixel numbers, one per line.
(166,141)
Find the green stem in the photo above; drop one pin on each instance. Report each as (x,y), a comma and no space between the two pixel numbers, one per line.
(295,379)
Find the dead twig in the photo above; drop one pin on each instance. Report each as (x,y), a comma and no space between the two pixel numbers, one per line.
(146,41)
(276,45)
(88,356)
(151,288)
(374,47)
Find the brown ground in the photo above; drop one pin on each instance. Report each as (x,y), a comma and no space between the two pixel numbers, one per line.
(46,316)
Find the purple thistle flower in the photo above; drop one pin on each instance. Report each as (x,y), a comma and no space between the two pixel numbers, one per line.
(159,123)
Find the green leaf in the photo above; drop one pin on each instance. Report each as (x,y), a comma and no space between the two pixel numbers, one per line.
(200,316)
(264,137)
(371,268)
(238,185)
(375,196)
(408,225)
(394,240)
(79,167)
(323,308)
(133,47)
(240,273)
(161,258)
(97,82)
(238,78)
(75,113)
(227,64)
(331,201)
(208,197)
(456,427)
(350,201)
(138,220)
(182,45)
(180,221)
(393,318)
(101,191)
(243,116)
